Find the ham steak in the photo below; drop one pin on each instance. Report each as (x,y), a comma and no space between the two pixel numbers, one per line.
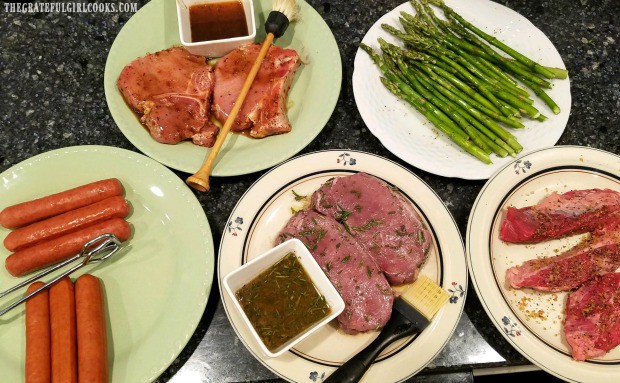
(171,90)
(264,109)
(592,325)
(598,254)
(559,215)
(380,219)
(366,293)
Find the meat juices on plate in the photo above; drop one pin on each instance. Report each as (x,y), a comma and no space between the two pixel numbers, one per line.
(367,295)
(559,215)
(172,91)
(264,109)
(592,325)
(381,220)
(598,254)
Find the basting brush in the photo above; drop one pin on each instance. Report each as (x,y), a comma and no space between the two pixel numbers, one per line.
(412,312)
(283,12)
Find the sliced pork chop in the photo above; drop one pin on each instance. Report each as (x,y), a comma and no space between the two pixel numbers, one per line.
(559,215)
(598,254)
(172,91)
(367,295)
(264,109)
(592,325)
(381,220)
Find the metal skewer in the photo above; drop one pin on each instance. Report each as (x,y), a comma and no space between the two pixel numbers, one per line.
(96,250)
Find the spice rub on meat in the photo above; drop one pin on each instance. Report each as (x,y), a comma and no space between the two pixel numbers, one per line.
(367,295)
(559,215)
(264,109)
(171,90)
(381,220)
(592,325)
(598,254)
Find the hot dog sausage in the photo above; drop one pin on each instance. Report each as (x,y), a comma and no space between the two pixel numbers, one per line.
(113,207)
(58,249)
(31,211)
(91,330)
(63,331)
(38,364)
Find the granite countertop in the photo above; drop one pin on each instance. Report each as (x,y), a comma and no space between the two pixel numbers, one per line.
(51,71)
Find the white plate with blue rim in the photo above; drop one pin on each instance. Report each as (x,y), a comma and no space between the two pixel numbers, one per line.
(532,321)
(264,210)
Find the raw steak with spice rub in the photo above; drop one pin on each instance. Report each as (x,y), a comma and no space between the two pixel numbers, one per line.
(559,215)
(381,220)
(171,90)
(264,108)
(598,254)
(366,293)
(592,325)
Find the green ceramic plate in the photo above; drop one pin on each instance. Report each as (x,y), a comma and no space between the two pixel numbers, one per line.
(311,101)
(156,289)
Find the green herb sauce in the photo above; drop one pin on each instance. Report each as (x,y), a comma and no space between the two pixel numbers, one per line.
(282,302)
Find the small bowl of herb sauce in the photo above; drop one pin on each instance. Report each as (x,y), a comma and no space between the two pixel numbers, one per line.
(283,296)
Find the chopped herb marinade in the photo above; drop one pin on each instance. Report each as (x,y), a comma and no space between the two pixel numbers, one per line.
(368,225)
(282,302)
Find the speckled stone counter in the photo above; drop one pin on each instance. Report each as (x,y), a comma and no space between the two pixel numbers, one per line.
(51,76)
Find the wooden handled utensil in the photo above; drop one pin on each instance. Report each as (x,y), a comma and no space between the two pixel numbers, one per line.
(283,12)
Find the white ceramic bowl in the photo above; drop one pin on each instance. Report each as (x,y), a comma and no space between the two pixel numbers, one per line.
(213,48)
(244,274)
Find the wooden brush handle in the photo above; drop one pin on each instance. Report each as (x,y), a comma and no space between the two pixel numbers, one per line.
(200,180)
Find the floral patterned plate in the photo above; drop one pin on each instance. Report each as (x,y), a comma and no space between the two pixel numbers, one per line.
(530,320)
(266,207)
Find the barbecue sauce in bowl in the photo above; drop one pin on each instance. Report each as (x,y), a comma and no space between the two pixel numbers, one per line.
(216,21)
(282,302)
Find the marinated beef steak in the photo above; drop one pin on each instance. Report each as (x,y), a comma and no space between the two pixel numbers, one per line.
(367,295)
(598,254)
(172,91)
(380,219)
(264,109)
(592,325)
(559,215)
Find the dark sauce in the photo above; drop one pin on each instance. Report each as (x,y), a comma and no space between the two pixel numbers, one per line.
(215,21)
(282,302)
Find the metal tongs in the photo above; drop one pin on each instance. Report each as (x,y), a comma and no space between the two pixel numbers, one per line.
(96,250)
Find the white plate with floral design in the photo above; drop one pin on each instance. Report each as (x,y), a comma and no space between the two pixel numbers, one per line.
(532,321)
(409,135)
(264,210)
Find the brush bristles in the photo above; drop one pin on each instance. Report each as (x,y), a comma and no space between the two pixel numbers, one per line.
(425,296)
(287,7)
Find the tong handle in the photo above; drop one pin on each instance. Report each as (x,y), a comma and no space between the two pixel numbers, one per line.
(106,242)
(42,274)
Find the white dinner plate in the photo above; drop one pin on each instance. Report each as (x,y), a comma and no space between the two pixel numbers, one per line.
(156,288)
(264,210)
(410,136)
(311,99)
(532,321)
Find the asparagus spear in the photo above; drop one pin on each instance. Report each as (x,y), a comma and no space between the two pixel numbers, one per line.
(489,139)
(489,123)
(467,145)
(385,67)
(452,112)
(495,42)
